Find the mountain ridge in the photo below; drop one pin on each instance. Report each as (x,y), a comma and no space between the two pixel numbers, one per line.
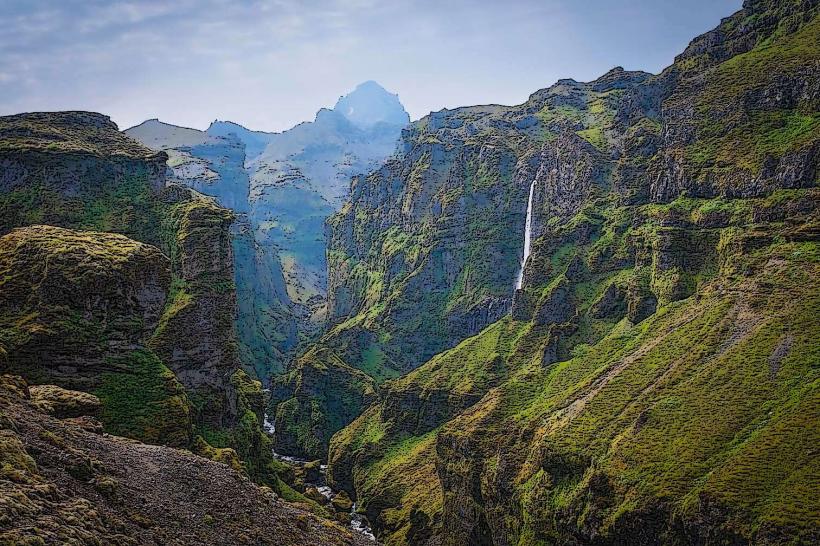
(657,197)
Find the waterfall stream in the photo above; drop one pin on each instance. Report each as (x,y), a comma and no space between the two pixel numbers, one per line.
(358,522)
(527,238)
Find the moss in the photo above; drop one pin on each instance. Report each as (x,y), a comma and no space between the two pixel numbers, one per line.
(675,411)
(15,462)
(224,455)
(595,136)
(144,401)
(725,137)
(68,132)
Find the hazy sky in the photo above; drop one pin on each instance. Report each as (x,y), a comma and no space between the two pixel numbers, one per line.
(271,64)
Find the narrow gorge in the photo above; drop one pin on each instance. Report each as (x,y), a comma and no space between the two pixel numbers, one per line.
(590,318)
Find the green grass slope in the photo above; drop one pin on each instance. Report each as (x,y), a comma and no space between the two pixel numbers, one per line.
(696,421)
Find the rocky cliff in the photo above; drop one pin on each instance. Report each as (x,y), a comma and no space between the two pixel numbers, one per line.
(658,358)
(285,184)
(74,169)
(214,165)
(300,176)
(149,329)
(78,309)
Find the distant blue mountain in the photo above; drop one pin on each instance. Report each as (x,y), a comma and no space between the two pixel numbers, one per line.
(286,184)
(300,176)
(370,104)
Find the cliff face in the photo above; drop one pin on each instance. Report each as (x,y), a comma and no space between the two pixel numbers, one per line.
(300,176)
(304,427)
(65,482)
(215,165)
(74,169)
(196,335)
(78,308)
(267,322)
(653,363)
(152,336)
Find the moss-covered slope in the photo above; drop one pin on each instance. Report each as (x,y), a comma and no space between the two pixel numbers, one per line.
(317,397)
(659,356)
(428,250)
(590,427)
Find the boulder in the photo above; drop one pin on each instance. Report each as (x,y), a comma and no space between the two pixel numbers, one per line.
(63,403)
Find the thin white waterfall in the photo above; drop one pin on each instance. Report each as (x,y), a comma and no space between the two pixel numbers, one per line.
(527,238)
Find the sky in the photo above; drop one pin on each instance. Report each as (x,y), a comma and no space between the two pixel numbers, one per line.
(270,64)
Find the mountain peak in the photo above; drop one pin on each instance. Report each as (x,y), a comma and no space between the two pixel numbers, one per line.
(370,104)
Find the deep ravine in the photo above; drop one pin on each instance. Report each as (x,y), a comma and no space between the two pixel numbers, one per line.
(358,522)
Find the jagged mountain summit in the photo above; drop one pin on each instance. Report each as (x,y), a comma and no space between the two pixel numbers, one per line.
(303,175)
(370,104)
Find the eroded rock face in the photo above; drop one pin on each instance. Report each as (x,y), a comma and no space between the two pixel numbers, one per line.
(78,309)
(98,300)
(75,169)
(322,391)
(196,336)
(660,211)
(74,299)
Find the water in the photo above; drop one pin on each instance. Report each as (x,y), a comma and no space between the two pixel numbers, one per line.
(270,428)
(358,522)
(527,238)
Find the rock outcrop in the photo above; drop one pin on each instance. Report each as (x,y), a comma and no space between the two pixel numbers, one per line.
(316,398)
(74,169)
(78,309)
(148,329)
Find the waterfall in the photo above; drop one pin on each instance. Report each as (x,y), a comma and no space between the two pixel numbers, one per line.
(527,238)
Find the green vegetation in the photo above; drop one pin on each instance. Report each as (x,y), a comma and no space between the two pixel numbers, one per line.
(595,136)
(726,135)
(68,133)
(678,410)
(319,396)
(144,401)
(97,296)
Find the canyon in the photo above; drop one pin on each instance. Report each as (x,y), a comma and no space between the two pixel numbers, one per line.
(590,318)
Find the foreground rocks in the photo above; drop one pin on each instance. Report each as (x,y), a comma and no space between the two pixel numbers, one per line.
(62,484)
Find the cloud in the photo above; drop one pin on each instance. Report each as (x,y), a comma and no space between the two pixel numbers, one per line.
(273,63)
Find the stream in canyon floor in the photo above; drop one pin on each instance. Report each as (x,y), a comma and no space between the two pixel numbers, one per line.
(358,522)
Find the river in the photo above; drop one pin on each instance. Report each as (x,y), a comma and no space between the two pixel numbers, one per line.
(358,522)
